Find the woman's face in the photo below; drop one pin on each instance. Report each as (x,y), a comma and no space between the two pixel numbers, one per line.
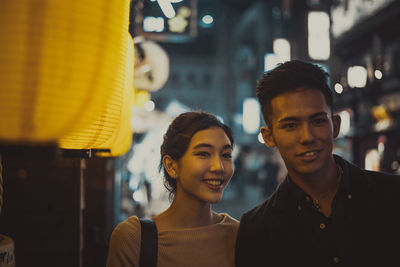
(206,167)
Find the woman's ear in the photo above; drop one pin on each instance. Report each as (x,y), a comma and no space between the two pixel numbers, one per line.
(268,137)
(171,166)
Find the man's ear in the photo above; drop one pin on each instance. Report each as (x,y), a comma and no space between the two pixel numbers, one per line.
(268,137)
(171,166)
(336,125)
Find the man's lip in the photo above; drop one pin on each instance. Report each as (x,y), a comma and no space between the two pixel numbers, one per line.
(309,153)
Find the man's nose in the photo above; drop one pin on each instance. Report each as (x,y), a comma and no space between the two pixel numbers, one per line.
(307,134)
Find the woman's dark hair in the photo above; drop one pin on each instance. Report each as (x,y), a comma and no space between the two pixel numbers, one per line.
(179,134)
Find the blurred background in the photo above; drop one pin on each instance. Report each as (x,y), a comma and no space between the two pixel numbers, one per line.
(88,89)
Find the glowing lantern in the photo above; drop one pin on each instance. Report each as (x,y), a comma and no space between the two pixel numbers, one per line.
(121,141)
(113,122)
(57,64)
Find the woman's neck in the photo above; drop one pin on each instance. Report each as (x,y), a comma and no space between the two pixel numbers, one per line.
(186,213)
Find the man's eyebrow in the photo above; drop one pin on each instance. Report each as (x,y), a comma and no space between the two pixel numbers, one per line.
(318,114)
(206,145)
(286,119)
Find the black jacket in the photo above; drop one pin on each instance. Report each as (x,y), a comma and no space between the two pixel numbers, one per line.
(270,234)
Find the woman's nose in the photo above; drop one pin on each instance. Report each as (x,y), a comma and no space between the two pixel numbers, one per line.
(217,164)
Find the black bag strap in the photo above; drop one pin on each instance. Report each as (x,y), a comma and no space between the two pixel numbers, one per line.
(149,244)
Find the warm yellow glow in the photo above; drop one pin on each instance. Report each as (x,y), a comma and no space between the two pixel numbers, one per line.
(113,121)
(372,160)
(141,98)
(380,113)
(121,140)
(57,64)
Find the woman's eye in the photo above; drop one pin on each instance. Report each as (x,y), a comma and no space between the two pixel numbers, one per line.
(203,154)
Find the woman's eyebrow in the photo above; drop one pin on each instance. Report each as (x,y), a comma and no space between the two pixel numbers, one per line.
(206,145)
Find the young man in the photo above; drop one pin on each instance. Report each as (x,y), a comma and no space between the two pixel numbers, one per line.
(327,212)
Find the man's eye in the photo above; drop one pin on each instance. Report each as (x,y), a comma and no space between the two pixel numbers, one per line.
(227,155)
(289,126)
(319,121)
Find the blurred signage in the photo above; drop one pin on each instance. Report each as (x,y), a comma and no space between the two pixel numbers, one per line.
(349,13)
(167,20)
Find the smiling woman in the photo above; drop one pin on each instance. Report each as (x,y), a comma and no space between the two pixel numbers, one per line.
(196,158)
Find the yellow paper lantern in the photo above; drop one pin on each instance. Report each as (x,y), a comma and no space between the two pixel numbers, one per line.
(121,140)
(57,64)
(113,122)
(124,134)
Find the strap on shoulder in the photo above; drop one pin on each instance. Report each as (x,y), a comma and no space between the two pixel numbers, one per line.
(149,244)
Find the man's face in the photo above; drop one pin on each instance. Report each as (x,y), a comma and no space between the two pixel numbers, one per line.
(302,129)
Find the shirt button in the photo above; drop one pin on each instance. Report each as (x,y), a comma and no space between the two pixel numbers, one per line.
(336,259)
(349,196)
(322,226)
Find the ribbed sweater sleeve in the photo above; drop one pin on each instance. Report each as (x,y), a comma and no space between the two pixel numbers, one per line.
(124,249)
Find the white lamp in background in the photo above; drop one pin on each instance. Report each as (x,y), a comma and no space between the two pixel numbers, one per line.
(357,76)
(345,124)
(281,49)
(338,88)
(281,54)
(318,35)
(378,74)
(151,70)
(270,61)
(251,115)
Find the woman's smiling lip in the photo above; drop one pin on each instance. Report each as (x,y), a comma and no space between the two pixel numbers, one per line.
(214,183)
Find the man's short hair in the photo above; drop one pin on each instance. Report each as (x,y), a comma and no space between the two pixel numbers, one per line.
(289,76)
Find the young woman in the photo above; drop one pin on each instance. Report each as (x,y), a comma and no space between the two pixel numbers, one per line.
(196,157)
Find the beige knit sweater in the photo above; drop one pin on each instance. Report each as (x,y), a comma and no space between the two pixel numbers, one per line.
(208,246)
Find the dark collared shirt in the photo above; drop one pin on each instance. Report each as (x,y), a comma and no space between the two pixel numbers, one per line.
(363,229)
(330,235)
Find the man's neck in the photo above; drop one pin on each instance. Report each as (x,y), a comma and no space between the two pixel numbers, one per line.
(322,187)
